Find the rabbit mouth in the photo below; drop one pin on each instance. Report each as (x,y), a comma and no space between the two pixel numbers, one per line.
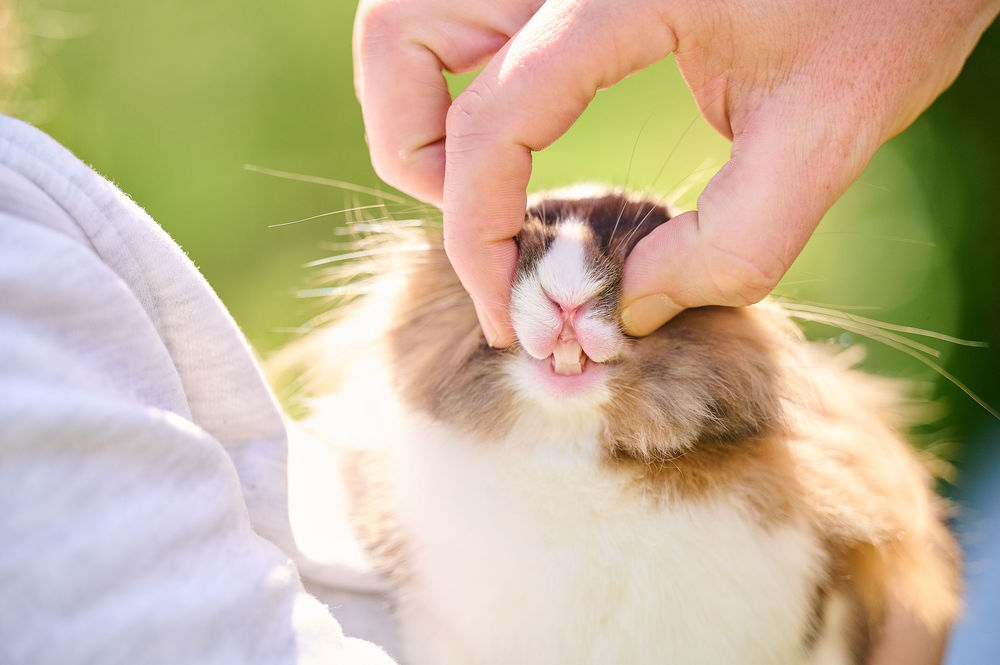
(559,379)
(568,358)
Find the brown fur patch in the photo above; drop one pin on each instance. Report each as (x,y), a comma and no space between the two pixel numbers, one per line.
(619,221)
(439,358)
(709,376)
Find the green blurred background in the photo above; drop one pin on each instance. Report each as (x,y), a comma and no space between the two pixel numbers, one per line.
(171,99)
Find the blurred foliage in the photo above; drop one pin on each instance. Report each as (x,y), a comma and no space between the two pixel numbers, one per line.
(170,100)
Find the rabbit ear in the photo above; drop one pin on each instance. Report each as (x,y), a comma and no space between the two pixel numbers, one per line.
(709,376)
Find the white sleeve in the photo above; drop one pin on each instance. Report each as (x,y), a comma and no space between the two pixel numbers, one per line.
(127,400)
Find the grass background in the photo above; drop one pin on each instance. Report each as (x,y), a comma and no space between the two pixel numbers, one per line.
(170,100)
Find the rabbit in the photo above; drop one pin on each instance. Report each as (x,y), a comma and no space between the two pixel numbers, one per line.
(720,491)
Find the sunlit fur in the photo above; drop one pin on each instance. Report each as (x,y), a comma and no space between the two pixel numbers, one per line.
(720,491)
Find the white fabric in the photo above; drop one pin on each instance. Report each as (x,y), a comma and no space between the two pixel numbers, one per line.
(143,507)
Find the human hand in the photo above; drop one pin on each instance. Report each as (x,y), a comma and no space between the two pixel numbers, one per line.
(806,89)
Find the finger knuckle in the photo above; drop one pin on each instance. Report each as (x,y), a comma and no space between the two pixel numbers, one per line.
(388,168)
(468,115)
(741,279)
(379,17)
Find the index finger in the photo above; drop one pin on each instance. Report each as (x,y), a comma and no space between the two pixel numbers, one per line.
(529,94)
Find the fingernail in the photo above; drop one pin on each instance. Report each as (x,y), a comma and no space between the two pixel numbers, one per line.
(649,313)
(489,328)
(499,337)
(490,332)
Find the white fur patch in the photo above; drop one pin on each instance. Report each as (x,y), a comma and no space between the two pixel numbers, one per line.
(531,550)
(562,271)
(536,319)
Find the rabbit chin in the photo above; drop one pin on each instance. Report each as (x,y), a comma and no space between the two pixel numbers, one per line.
(537,382)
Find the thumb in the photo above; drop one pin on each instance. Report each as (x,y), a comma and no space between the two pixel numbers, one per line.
(753,219)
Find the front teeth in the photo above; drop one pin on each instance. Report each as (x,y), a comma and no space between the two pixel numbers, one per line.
(568,369)
(567,357)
